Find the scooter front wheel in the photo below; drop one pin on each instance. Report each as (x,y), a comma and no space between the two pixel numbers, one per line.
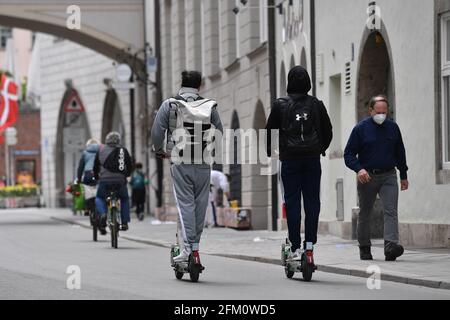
(194,269)
(307,268)
(288,272)
(179,275)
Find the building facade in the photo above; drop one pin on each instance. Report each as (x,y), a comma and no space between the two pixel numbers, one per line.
(230,49)
(77,103)
(25,156)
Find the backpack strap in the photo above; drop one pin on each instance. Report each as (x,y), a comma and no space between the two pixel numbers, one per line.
(172,116)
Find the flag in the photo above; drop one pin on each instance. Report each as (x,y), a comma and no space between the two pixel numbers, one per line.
(9,106)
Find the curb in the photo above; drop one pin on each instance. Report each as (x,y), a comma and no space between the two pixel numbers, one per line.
(323,268)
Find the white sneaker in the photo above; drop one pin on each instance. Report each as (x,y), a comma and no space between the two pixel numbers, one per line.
(297,255)
(182,257)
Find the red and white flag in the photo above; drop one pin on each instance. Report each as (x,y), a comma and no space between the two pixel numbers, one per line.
(9,106)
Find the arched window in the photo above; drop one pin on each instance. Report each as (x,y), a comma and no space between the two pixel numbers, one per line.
(235,167)
(292,62)
(72,134)
(303,62)
(112,116)
(283,87)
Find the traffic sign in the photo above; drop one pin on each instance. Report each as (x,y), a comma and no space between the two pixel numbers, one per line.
(152,64)
(123,72)
(11,136)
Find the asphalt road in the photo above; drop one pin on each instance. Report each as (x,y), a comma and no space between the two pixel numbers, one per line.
(36,251)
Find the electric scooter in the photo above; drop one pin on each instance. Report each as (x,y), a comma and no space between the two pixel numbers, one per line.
(306,265)
(192,266)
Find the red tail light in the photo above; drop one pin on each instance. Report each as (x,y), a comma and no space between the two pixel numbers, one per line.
(196,257)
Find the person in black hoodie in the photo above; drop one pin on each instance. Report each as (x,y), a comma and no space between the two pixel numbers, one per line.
(305,133)
(112,167)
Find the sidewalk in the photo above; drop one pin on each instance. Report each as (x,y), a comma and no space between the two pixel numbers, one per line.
(424,267)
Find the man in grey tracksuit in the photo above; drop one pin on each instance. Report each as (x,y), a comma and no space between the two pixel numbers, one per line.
(191,182)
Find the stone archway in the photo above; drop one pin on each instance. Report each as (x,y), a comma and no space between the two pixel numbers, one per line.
(98,27)
(375,76)
(261,215)
(72,134)
(375,73)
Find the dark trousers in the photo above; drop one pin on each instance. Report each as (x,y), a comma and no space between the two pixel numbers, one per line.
(386,186)
(138,198)
(302,177)
(103,192)
(213,207)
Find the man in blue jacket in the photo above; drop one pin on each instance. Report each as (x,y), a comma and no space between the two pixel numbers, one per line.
(374,149)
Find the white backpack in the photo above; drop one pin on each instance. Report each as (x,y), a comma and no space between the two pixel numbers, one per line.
(187,114)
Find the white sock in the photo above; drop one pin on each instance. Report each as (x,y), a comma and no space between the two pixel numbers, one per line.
(309,246)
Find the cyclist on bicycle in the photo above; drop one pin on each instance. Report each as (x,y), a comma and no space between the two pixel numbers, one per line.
(85,173)
(112,166)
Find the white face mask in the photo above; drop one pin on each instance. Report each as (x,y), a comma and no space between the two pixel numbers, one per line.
(379,118)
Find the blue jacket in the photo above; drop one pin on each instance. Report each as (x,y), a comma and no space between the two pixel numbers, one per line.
(373,146)
(87,160)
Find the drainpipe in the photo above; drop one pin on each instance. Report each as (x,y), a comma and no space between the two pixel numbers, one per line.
(159,162)
(312,15)
(273,95)
(146,105)
(133,143)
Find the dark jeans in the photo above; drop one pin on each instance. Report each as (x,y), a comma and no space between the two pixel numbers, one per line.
(302,177)
(103,192)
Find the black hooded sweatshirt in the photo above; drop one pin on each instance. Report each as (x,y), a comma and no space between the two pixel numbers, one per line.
(299,84)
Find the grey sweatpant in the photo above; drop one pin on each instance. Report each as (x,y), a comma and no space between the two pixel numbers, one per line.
(386,186)
(191,183)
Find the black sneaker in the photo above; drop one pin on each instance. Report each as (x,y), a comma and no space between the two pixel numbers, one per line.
(392,250)
(364,253)
(124,227)
(102,225)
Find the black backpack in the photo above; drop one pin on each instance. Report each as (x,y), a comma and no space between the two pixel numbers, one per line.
(300,126)
(118,161)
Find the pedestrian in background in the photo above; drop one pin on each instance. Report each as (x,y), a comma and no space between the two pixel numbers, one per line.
(374,149)
(219,181)
(138,184)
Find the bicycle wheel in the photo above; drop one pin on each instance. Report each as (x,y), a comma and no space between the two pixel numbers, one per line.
(114,228)
(94,231)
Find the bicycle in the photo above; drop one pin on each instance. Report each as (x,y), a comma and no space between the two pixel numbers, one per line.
(94,219)
(114,220)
